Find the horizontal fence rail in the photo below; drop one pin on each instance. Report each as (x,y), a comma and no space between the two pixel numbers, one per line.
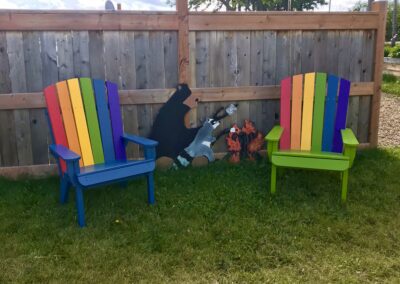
(225,57)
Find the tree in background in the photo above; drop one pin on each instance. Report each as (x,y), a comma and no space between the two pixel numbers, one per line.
(395,27)
(254,5)
(390,24)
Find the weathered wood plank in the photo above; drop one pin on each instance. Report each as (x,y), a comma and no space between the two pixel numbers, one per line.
(142,80)
(49,68)
(182,8)
(307,52)
(17,20)
(295,52)
(367,74)
(381,8)
(355,76)
(128,81)
(243,76)
(18,84)
(171,59)
(256,75)
(206,21)
(96,55)
(34,83)
(332,52)
(112,59)
(65,55)
(80,46)
(157,96)
(8,148)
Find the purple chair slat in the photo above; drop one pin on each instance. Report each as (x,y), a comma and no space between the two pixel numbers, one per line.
(341,114)
(116,121)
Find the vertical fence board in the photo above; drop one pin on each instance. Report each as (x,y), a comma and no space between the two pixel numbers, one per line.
(8,144)
(80,46)
(34,83)
(256,75)
(142,80)
(307,52)
(65,55)
(367,74)
(128,82)
(270,108)
(355,76)
(242,76)
(18,85)
(48,53)
(156,67)
(295,52)
(332,52)
(171,59)
(96,55)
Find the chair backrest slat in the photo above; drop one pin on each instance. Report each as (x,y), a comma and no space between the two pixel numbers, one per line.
(318,116)
(85,116)
(68,118)
(297,98)
(341,114)
(330,111)
(104,120)
(313,113)
(308,103)
(286,90)
(80,121)
(116,121)
(56,121)
(91,119)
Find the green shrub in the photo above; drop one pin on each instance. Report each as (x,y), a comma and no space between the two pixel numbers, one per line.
(387,50)
(395,52)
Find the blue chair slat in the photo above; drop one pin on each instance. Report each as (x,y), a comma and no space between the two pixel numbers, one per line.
(330,110)
(104,120)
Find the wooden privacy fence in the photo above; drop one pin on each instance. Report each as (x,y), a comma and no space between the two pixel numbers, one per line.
(225,57)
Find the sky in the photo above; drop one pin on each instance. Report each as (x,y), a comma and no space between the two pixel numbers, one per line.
(337,5)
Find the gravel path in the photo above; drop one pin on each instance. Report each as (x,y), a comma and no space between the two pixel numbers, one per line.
(389,130)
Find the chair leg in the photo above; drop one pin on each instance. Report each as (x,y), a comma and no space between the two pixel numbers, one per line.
(150,188)
(80,206)
(64,189)
(273,179)
(345,177)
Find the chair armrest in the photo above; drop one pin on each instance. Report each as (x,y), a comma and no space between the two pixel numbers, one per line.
(348,137)
(59,151)
(145,142)
(275,134)
(273,138)
(350,143)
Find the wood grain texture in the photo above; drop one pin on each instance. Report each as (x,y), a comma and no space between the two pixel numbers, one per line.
(158,96)
(206,21)
(15,53)
(17,20)
(8,147)
(34,83)
(381,8)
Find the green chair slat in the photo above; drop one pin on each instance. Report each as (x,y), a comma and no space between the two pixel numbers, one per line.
(91,119)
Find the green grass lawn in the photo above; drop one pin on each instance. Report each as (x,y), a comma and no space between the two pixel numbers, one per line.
(391,84)
(213,224)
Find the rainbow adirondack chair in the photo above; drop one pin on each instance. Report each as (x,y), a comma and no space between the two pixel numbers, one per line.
(313,133)
(85,120)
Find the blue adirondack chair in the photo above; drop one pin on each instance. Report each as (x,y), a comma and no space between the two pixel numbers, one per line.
(89,143)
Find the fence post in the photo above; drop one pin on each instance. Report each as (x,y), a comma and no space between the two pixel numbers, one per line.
(381,8)
(183,38)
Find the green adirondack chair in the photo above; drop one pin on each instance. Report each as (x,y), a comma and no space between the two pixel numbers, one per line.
(312,132)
